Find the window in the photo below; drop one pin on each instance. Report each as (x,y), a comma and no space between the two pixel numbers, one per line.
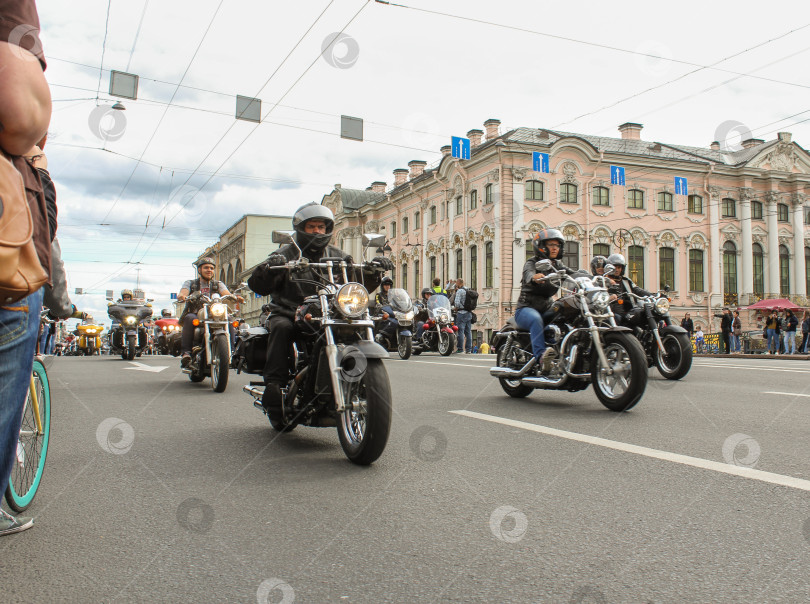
(474,267)
(695,205)
(405,276)
(601,196)
(571,255)
(404,225)
(488,194)
(459,264)
(473,199)
(696,270)
(534,190)
(666,267)
(488,266)
(729,268)
(417,223)
(568,193)
(665,202)
(728,209)
(635,264)
(807,219)
(529,250)
(782,212)
(394,274)
(635,199)
(759,269)
(601,249)
(416,282)
(393,228)
(807,270)
(756,210)
(459,206)
(432,214)
(432,268)
(784,270)
(444,210)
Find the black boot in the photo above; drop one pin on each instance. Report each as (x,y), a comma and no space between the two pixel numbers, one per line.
(272,401)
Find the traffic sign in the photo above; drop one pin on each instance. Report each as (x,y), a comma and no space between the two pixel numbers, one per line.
(461,147)
(173,296)
(540,162)
(79,291)
(616,175)
(681,187)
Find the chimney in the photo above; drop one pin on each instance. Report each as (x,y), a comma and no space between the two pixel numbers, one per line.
(542,135)
(631,131)
(784,137)
(475,137)
(446,150)
(400,176)
(417,167)
(378,186)
(752,142)
(492,126)
(715,146)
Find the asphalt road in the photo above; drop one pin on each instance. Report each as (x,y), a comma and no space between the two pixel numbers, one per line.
(159,490)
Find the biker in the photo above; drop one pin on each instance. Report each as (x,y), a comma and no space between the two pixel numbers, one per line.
(621,285)
(598,265)
(381,301)
(126,296)
(421,314)
(264,314)
(313,225)
(207,286)
(534,302)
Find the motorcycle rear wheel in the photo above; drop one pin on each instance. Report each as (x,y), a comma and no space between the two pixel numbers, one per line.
(623,389)
(404,347)
(220,363)
(364,431)
(507,357)
(676,359)
(446,343)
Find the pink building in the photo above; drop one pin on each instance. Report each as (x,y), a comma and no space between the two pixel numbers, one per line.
(737,236)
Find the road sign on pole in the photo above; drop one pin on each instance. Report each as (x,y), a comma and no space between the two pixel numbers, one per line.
(616,175)
(79,291)
(540,162)
(681,187)
(173,296)
(461,147)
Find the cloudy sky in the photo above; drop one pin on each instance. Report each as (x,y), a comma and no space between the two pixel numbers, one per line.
(158,182)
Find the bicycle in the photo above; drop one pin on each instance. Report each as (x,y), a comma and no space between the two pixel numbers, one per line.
(32,447)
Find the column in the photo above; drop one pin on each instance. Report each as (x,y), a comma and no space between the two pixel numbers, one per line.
(799,277)
(747,253)
(771,200)
(715,248)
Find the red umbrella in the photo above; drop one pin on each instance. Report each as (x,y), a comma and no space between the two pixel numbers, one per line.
(778,303)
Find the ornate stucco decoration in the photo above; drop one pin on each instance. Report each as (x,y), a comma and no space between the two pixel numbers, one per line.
(697,297)
(533,208)
(640,236)
(488,208)
(568,208)
(746,193)
(488,233)
(798,199)
(431,249)
(697,242)
(458,187)
(493,176)
(714,192)
(785,240)
(667,239)
(519,173)
(601,235)
(771,197)
(572,233)
(782,158)
(372,226)
(570,173)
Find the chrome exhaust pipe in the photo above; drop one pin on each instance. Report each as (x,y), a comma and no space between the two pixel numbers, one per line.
(253,391)
(544,382)
(512,374)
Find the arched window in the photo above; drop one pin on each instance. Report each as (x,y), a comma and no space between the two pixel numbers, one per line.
(473,199)
(695,204)
(635,199)
(238,270)
(756,210)
(417,221)
(728,208)
(222,275)
(459,264)
(489,266)
(404,225)
(601,196)
(696,271)
(568,193)
(474,267)
(488,194)
(405,276)
(534,190)
(782,213)
(393,228)
(784,270)
(229,279)
(571,255)
(729,268)
(666,267)
(665,202)
(459,205)
(635,264)
(759,269)
(601,249)
(416,282)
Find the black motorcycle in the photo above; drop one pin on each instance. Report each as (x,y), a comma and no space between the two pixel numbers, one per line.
(337,377)
(392,328)
(211,342)
(128,335)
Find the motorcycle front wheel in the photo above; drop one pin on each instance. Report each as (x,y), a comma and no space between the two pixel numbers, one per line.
(130,351)
(675,360)
(220,363)
(404,347)
(365,424)
(446,343)
(623,387)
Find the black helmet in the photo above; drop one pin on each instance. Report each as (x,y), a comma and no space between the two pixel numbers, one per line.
(597,262)
(617,260)
(387,280)
(427,291)
(265,308)
(313,241)
(207,260)
(166,312)
(538,243)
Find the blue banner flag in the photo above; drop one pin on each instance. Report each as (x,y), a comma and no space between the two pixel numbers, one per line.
(616,175)
(681,187)
(461,147)
(540,162)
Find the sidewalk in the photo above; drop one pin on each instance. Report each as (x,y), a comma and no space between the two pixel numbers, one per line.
(760,356)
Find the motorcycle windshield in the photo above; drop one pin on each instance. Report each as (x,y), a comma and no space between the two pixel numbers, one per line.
(399,300)
(438,305)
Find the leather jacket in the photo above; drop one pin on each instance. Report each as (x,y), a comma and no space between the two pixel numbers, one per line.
(624,302)
(538,295)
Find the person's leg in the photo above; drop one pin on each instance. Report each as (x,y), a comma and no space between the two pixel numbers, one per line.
(187,334)
(468,343)
(529,318)
(279,349)
(792,342)
(420,328)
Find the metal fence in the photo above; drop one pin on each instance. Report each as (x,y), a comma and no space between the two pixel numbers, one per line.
(751,342)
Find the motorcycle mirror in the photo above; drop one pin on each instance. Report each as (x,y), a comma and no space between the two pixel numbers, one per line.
(283,237)
(543,266)
(609,268)
(374,240)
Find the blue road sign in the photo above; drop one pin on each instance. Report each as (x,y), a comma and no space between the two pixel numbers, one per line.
(255,295)
(540,162)
(616,175)
(461,147)
(681,187)
(172,296)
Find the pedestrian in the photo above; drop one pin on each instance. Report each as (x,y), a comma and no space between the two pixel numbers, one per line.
(484,348)
(700,342)
(791,323)
(772,332)
(725,330)
(736,331)
(805,331)
(687,324)
(463,319)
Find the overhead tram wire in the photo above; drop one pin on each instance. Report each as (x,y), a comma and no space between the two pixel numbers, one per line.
(103,48)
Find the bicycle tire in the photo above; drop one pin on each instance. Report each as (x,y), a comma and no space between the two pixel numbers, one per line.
(32,448)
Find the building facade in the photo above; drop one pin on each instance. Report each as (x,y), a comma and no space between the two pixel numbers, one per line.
(734,236)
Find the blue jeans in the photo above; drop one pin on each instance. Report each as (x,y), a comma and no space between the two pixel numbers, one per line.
(19,326)
(790,337)
(528,318)
(773,339)
(734,342)
(464,335)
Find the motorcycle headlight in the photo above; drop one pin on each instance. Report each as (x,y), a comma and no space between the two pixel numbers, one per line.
(600,299)
(443,316)
(130,320)
(404,316)
(352,300)
(91,331)
(218,309)
(662,306)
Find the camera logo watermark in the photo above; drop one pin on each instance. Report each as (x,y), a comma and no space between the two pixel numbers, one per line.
(24,38)
(107,124)
(428,443)
(190,201)
(741,450)
(340,50)
(508,524)
(115,436)
(195,515)
(270,589)
(353,364)
(731,134)
(653,58)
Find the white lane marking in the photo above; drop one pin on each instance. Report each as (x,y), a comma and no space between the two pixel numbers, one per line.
(787,393)
(145,367)
(751,367)
(448,363)
(696,462)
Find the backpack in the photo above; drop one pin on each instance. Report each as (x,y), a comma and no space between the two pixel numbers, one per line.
(470,299)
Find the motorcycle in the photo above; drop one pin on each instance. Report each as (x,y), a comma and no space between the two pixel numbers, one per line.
(337,377)
(211,344)
(590,348)
(669,347)
(89,338)
(128,336)
(392,329)
(439,334)
(166,344)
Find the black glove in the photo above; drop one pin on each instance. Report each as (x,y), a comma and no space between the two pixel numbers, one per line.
(384,263)
(275,260)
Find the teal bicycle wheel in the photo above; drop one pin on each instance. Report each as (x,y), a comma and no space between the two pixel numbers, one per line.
(32,448)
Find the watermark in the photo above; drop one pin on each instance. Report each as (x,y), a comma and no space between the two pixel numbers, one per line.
(428,443)
(270,589)
(191,202)
(24,42)
(340,50)
(741,450)
(107,124)
(352,363)
(654,58)
(115,436)
(195,515)
(731,134)
(587,594)
(508,524)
